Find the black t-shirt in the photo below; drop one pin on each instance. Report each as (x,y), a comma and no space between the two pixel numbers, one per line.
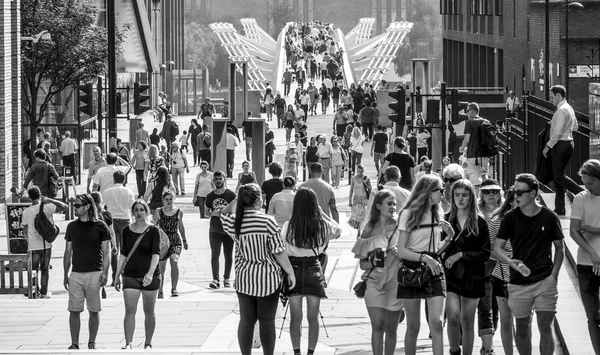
(194,132)
(206,110)
(247,129)
(270,188)
(218,202)
(531,240)
(139,263)
(404,162)
(381,141)
(472,128)
(86,239)
(335,92)
(311,154)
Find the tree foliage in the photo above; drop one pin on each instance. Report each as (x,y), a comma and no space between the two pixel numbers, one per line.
(77,52)
(428,27)
(200,43)
(280,15)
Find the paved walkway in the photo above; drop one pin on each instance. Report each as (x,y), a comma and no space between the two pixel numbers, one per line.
(202,320)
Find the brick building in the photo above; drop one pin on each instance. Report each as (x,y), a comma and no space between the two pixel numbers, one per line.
(500,43)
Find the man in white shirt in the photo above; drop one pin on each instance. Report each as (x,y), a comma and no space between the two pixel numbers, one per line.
(95,165)
(512,104)
(41,252)
(104,178)
(118,201)
(68,149)
(281,204)
(560,146)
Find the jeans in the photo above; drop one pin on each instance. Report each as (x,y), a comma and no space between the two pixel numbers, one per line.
(561,154)
(305,109)
(178,179)
(141,184)
(262,309)
(336,174)
(230,160)
(286,88)
(589,284)
(368,128)
(355,159)
(216,240)
(41,259)
(201,202)
(118,226)
(485,320)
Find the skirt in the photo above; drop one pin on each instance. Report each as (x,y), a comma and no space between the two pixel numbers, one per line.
(436,288)
(309,277)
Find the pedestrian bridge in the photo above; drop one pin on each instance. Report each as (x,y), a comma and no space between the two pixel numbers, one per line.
(364,58)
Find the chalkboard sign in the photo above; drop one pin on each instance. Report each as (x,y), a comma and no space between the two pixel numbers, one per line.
(17,241)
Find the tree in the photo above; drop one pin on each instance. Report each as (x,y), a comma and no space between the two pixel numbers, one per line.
(200,43)
(77,52)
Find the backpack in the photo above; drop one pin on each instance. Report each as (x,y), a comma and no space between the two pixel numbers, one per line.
(204,137)
(488,140)
(165,244)
(44,226)
(174,130)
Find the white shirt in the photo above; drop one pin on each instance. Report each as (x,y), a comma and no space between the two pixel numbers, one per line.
(585,208)
(328,83)
(68,146)
(34,239)
(563,124)
(512,103)
(281,205)
(104,176)
(118,200)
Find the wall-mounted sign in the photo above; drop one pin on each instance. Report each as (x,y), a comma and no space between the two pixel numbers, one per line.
(584,71)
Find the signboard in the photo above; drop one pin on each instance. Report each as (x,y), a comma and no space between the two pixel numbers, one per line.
(17,241)
(583,71)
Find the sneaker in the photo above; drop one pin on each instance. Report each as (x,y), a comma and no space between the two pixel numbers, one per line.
(127,347)
(226,283)
(91,345)
(47,295)
(174,293)
(215,284)
(148,346)
(487,352)
(160,297)
(73,347)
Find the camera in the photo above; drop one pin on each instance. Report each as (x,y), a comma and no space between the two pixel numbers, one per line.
(377,258)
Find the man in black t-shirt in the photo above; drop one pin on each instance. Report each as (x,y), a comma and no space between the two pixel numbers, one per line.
(532,231)
(403,161)
(247,125)
(88,249)
(379,148)
(335,96)
(478,165)
(215,202)
(274,185)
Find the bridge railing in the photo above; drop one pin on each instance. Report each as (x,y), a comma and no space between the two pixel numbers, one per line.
(280,59)
(349,78)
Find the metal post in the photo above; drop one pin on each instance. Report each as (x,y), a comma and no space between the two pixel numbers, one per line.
(567,46)
(443,125)
(100,117)
(232,101)
(245,89)
(195,100)
(547,52)
(112,70)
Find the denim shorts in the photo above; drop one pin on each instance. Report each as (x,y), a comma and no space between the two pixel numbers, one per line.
(137,283)
(541,296)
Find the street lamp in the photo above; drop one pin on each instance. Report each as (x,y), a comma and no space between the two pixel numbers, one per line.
(576,5)
(42,36)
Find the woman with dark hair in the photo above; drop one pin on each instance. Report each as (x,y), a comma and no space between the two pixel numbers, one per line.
(156,187)
(378,254)
(154,137)
(464,266)
(403,161)
(154,162)
(289,117)
(260,255)
(420,225)
(307,234)
(139,162)
(141,275)
(193,132)
(268,102)
(170,219)
(246,176)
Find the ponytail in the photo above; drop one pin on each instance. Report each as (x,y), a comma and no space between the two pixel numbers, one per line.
(247,196)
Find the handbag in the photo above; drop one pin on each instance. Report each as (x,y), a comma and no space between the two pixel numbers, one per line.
(412,274)
(361,287)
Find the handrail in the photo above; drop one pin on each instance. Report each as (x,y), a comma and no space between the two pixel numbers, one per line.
(349,78)
(280,59)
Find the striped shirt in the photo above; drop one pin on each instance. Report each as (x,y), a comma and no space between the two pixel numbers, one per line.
(257,273)
(501,270)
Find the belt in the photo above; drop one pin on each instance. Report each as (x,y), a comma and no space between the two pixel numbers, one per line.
(325,158)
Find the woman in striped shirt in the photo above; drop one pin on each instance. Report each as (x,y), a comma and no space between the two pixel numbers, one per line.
(259,257)
(306,235)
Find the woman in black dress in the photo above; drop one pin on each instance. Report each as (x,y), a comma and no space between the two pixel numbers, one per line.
(464,265)
(269,145)
(154,137)
(193,132)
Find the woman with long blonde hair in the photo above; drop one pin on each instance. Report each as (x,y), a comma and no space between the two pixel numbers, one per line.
(356,148)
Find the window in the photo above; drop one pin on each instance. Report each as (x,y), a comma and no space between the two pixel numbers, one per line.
(450,7)
(528,29)
(499,4)
(482,7)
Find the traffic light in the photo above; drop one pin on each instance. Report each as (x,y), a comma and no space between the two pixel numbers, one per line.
(119,103)
(457,105)
(140,98)
(399,107)
(85,100)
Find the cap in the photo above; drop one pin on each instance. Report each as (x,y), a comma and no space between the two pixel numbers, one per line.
(490,184)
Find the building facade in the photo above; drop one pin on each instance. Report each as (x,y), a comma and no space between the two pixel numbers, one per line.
(500,43)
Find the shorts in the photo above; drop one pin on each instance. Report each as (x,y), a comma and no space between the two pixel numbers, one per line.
(479,166)
(136,283)
(437,288)
(378,157)
(384,298)
(541,296)
(309,277)
(84,287)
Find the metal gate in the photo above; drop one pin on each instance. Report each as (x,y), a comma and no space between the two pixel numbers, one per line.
(519,144)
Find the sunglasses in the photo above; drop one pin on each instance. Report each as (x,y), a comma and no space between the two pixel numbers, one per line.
(521,192)
(77,205)
(450,180)
(488,192)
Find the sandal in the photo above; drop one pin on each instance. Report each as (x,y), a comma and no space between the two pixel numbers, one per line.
(160,296)
(92,345)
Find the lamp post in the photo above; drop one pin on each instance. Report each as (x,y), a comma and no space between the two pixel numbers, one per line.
(576,5)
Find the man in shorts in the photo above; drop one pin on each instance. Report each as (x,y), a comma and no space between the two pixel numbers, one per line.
(88,250)
(379,148)
(478,165)
(532,230)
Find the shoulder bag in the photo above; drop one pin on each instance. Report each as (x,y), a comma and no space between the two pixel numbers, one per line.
(361,287)
(135,245)
(412,274)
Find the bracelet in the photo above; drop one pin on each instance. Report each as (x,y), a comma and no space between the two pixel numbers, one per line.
(421,257)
